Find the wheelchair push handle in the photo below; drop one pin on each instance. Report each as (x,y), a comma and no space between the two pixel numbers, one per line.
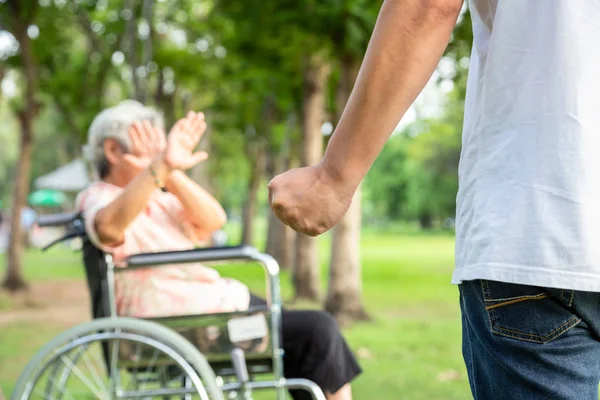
(72,221)
(57,220)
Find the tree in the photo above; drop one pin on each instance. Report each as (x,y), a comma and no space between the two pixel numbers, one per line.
(344,297)
(257,156)
(18,15)
(75,74)
(348,26)
(306,267)
(432,164)
(280,237)
(385,184)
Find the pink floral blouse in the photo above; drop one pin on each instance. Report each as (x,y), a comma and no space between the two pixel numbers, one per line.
(170,289)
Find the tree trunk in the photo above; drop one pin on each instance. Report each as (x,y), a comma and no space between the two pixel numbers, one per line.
(165,101)
(306,268)
(426,221)
(2,73)
(131,49)
(13,280)
(280,237)
(280,242)
(250,207)
(344,293)
(344,297)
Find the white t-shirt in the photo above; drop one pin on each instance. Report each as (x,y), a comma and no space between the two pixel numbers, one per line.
(528,207)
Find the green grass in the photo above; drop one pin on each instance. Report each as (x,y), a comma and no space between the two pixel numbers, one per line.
(55,264)
(411,349)
(18,343)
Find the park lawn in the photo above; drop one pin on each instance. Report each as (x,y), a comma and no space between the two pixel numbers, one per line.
(411,349)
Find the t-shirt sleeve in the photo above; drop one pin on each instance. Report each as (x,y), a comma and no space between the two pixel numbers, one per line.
(90,202)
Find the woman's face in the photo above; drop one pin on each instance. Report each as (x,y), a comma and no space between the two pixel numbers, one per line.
(124,166)
(146,143)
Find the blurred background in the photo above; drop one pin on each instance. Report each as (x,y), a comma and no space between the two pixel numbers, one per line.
(272,77)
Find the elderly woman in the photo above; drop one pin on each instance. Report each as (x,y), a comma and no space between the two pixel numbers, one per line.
(144,202)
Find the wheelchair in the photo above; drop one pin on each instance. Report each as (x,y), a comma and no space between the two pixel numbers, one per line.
(208,357)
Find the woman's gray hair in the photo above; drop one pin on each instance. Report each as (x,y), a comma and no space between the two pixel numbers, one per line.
(114,123)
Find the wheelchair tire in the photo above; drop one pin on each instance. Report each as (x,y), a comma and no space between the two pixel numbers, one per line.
(169,343)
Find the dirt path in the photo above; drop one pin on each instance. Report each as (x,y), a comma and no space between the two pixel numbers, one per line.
(59,302)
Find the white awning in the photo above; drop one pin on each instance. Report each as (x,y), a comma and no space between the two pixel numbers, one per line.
(71,177)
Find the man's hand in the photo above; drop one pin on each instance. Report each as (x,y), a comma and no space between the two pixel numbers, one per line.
(309,200)
(183,139)
(408,41)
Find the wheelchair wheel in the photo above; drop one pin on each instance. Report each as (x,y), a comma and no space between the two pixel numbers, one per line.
(118,358)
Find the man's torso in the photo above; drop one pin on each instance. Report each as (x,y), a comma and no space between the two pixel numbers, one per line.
(529,200)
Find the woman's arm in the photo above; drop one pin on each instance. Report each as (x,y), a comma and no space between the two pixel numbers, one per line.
(202,209)
(111,222)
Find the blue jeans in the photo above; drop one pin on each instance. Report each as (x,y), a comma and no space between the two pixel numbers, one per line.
(530,343)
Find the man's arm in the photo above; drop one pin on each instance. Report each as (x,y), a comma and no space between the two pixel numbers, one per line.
(408,41)
(202,209)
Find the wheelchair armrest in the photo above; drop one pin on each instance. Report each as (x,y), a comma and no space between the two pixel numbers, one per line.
(211,254)
(190,256)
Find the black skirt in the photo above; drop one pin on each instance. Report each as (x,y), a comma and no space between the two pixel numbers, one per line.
(314,349)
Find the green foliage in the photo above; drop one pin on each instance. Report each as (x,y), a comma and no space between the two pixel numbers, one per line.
(385,185)
(431,170)
(416,173)
(242,62)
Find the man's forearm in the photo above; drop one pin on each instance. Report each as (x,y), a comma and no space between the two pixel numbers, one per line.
(204,210)
(408,41)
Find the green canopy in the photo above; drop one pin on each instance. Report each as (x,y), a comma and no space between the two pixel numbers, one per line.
(47,198)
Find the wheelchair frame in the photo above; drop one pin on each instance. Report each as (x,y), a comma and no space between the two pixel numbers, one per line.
(242,388)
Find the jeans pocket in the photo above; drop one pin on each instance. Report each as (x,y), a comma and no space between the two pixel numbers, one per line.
(528,313)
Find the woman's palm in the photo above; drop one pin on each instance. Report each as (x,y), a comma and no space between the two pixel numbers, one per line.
(183,139)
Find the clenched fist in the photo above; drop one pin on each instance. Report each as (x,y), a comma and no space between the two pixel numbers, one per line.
(309,200)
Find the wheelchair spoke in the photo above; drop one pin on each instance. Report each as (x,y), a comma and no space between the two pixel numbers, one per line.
(114,359)
(62,391)
(139,365)
(153,360)
(133,375)
(83,378)
(36,391)
(60,388)
(91,366)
